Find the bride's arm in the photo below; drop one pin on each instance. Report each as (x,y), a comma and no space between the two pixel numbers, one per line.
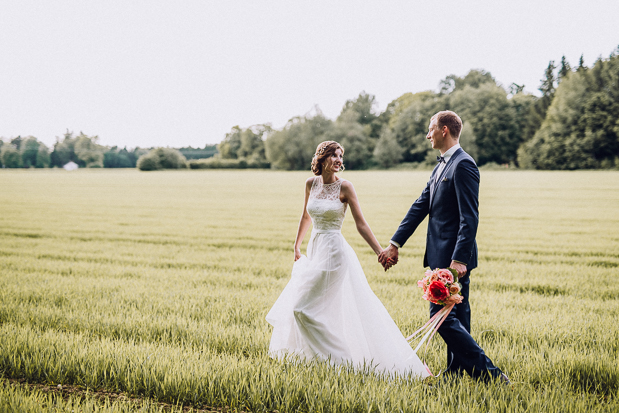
(349,195)
(305,221)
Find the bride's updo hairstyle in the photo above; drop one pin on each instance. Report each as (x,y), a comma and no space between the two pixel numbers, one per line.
(323,151)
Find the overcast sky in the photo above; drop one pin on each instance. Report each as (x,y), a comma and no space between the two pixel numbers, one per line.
(178,73)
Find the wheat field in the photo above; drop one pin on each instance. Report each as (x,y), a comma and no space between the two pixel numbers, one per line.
(156,285)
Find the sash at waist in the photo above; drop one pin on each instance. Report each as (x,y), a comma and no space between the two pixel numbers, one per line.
(326,231)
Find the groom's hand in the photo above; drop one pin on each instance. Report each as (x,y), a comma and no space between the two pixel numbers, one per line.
(388,257)
(459,267)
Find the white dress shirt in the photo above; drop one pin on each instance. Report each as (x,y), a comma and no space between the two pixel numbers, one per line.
(447,156)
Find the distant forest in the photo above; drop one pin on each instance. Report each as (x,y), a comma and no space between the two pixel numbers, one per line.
(574,124)
(85,151)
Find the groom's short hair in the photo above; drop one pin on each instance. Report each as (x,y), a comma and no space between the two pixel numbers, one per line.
(451,120)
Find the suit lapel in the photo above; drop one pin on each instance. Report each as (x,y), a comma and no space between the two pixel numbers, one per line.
(437,182)
(433,183)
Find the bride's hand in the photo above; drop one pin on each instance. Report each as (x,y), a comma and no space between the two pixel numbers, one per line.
(297,253)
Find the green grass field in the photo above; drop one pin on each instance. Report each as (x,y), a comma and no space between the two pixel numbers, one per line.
(156,285)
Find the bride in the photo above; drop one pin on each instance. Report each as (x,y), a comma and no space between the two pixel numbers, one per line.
(328,309)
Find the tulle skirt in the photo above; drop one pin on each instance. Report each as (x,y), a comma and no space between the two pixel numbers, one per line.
(328,311)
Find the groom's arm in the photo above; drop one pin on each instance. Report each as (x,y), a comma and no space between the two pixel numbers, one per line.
(466,182)
(417,212)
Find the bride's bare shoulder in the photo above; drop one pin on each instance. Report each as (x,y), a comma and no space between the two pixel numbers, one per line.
(347,185)
(347,190)
(310,181)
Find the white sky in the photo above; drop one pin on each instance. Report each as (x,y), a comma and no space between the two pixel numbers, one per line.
(177,73)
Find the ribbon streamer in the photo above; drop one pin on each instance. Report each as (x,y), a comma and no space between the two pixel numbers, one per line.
(430,328)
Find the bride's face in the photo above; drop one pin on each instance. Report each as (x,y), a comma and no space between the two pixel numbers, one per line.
(334,162)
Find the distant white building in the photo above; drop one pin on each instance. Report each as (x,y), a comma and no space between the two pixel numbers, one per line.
(70,166)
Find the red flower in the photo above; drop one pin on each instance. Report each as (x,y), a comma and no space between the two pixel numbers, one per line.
(438,291)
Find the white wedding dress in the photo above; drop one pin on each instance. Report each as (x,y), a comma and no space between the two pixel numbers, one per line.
(328,309)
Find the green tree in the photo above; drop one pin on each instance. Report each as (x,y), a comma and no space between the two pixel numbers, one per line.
(368,115)
(16,142)
(88,151)
(64,150)
(148,163)
(564,70)
(409,123)
(532,121)
(293,147)
(115,158)
(365,108)
(398,105)
(229,147)
(162,158)
(548,82)
(244,143)
(11,158)
(493,119)
(581,64)
(524,105)
(29,150)
(43,159)
(468,141)
(474,78)
(388,151)
(352,135)
(252,142)
(600,119)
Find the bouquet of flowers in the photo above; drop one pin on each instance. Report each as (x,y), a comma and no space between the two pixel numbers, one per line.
(440,287)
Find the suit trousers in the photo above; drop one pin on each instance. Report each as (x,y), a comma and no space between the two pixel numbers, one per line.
(463,352)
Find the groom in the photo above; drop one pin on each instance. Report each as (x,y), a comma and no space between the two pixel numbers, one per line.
(450,200)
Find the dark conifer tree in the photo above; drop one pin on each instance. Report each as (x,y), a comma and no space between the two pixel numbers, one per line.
(548,82)
(581,64)
(539,109)
(564,69)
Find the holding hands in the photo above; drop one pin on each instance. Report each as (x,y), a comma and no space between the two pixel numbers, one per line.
(388,257)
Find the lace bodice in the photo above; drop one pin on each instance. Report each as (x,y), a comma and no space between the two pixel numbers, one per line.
(324,205)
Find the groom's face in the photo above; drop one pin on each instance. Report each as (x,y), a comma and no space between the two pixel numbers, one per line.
(435,135)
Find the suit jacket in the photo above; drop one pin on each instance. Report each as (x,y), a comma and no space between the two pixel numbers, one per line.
(452,205)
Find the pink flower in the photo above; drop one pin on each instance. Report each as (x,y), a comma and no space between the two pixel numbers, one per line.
(422,284)
(445,275)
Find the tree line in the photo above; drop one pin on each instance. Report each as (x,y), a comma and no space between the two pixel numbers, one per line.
(84,150)
(574,124)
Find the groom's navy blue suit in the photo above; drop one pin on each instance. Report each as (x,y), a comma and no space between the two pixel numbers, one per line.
(451,203)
